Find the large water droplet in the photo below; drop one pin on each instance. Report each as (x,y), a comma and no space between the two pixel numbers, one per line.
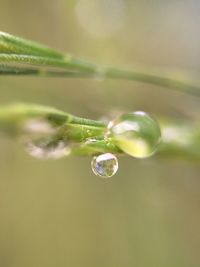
(105,165)
(136,133)
(47,149)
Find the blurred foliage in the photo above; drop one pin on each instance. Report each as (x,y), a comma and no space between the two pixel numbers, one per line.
(58,213)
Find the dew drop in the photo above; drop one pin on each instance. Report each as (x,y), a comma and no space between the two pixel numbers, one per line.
(47,149)
(37,127)
(105,165)
(41,140)
(136,133)
(100,74)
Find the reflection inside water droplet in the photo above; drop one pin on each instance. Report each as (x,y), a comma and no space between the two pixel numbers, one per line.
(136,133)
(105,165)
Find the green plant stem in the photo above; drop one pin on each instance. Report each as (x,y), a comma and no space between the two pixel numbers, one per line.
(17,55)
(88,136)
(75,68)
(12,70)
(75,128)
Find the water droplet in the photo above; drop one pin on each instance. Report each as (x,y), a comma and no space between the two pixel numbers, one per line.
(100,74)
(105,165)
(136,133)
(37,127)
(41,140)
(45,148)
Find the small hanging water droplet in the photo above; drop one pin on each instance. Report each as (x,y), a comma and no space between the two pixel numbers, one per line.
(47,149)
(136,133)
(105,165)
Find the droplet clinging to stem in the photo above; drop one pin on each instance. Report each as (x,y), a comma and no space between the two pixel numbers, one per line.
(41,140)
(135,133)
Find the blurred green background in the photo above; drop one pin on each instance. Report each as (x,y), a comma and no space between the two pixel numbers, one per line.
(57,213)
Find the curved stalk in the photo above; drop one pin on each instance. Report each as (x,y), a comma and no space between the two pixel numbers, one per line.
(22,57)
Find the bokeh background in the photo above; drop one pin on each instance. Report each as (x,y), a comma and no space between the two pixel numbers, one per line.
(57,213)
